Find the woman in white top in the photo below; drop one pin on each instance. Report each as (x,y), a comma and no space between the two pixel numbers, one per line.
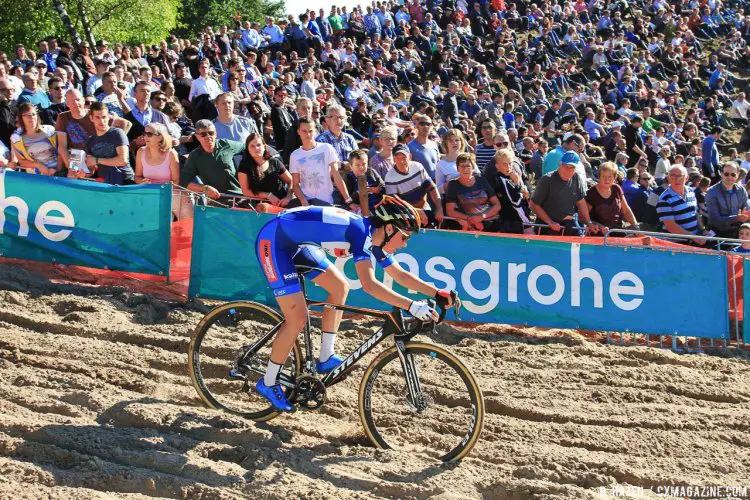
(157,163)
(445,170)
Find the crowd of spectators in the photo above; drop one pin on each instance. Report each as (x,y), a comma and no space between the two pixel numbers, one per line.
(566,117)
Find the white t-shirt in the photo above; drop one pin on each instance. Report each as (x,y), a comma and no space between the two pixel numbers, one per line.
(314,169)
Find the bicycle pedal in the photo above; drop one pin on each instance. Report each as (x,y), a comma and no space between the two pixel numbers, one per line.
(237,375)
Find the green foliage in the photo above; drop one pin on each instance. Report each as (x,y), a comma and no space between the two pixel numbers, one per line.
(197,14)
(127,21)
(27,22)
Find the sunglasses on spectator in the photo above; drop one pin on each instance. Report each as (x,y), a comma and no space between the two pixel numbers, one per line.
(645,179)
(162,99)
(149,133)
(729,174)
(501,144)
(207,133)
(425,124)
(51,88)
(487,127)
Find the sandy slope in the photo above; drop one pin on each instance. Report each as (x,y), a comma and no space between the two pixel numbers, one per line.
(95,401)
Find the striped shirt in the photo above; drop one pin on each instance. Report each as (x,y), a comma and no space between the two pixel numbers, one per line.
(411,187)
(684,211)
(484,154)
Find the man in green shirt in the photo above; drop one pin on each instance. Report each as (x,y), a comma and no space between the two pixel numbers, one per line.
(649,123)
(212,163)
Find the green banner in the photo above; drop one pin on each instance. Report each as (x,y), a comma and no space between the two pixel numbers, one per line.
(82,223)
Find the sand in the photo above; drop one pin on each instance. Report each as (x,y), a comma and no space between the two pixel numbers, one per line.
(96,402)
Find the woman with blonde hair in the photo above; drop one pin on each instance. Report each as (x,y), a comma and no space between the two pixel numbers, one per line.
(157,163)
(454,143)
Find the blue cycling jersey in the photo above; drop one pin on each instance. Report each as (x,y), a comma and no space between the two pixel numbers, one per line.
(298,237)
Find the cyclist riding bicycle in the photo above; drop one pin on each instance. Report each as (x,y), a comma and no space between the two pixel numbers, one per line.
(297,238)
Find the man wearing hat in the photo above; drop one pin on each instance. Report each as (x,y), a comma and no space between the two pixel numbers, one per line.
(65,59)
(559,200)
(409,180)
(95,81)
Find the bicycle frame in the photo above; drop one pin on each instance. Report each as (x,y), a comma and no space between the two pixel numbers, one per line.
(394,325)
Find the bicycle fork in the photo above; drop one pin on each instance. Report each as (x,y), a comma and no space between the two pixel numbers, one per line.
(415,399)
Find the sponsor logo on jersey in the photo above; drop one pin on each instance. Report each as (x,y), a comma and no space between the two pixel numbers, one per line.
(266,252)
(290,276)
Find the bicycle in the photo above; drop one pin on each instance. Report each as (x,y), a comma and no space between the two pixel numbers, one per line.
(440,413)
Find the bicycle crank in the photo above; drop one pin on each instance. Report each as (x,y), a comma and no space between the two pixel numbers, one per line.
(309,393)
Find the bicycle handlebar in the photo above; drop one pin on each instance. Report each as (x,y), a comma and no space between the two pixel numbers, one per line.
(440,303)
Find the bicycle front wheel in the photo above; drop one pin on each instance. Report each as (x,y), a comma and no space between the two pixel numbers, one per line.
(224,366)
(448,420)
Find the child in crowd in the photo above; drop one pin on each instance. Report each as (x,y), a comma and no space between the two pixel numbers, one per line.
(375,184)
(745,237)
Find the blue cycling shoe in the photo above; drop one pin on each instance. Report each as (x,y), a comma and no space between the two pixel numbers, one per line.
(328,365)
(275,395)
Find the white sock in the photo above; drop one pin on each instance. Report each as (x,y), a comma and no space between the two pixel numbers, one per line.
(326,346)
(272,372)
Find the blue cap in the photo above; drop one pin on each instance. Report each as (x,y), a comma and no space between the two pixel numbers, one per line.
(400,148)
(570,158)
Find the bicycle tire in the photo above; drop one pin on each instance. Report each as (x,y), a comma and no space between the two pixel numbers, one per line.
(217,342)
(457,407)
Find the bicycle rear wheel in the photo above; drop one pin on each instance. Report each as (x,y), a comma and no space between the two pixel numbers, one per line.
(223,378)
(450,421)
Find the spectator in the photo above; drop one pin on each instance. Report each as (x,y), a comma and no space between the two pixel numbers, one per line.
(382,161)
(76,124)
(282,116)
(315,169)
(634,141)
(95,80)
(107,151)
(606,201)
(7,115)
(678,208)
(710,154)
(450,105)
(446,170)
(157,163)
(469,199)
(212,162)
(744,247)
(37,147)
(112,96)
(31,92)
(263,176)
(423,149)
(512,193)
(204,84)
(303,109)
(574,143)
(485,150)
(230,126)
(727,203)
(375,185)
(409,181)
(341,141)
(57,101)
(141,114)
(559,199)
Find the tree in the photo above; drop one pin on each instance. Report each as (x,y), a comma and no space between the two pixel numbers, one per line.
(128,21)
(197,14)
